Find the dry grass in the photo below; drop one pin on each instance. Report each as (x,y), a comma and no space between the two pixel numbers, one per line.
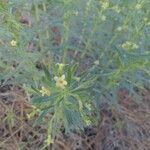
(127,128)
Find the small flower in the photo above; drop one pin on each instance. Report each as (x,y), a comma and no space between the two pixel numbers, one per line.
(138,6)
(96,62)
(28,116)
(129,45)
(60,81)
(145,19)
(105,5)
(13,43)
(119,29)
(45,91)
(33,113)
(61,66)
(103,18)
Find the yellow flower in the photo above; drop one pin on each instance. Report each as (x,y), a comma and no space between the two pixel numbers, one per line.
(145,19)
(60,81)
(13,43)
(33,113)
(103,17)
(96,62)
(45,91)
(60,66)
(129,45)
(138,6)
(119,28)
(105,5)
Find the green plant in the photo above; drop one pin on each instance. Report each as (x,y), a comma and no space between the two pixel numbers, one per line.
(65,101)
(109,39)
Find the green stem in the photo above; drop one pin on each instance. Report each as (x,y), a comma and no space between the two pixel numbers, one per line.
(37,20)
(66,26)
(47,32)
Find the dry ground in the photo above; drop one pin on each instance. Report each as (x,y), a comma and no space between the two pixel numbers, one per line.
(127,128)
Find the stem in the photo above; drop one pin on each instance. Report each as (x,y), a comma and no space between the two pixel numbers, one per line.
(37,20)
(65,41)
(47,32)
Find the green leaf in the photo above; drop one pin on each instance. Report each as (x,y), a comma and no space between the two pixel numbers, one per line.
(41,99)
(34,89)
(69,76)
(40,118)
(47,74)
